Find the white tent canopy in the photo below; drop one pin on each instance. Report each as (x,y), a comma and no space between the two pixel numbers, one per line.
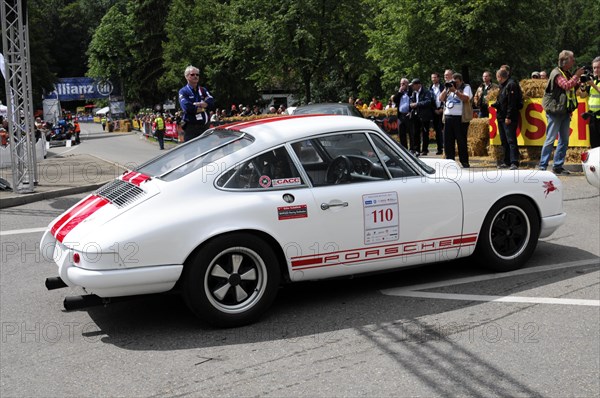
(103,111)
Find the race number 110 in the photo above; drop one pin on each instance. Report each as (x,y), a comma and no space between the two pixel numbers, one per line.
(382,215)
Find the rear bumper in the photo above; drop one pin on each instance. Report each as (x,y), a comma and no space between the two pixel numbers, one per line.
(551,224)
(110,282)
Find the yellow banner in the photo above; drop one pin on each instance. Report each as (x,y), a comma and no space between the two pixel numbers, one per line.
(531,130)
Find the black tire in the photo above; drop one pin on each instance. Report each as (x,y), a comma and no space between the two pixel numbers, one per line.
(232,280)
(509,235)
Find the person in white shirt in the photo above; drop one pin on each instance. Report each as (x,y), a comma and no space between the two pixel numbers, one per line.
(455,94)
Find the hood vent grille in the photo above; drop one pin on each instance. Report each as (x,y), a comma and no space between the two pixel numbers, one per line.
(120,193)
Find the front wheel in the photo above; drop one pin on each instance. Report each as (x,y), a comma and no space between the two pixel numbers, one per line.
(232,280)
(509,235)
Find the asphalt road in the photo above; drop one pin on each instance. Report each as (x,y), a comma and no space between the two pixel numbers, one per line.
(127,149)
(431,331)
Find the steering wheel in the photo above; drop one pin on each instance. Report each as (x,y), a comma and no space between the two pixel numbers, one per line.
(339,170)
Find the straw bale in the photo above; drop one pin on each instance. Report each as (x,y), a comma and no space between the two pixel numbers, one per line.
(378,113)
(248,118)
(478,138)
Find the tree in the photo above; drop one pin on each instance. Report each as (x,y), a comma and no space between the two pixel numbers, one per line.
(109,51)
(415,38)
(146,19)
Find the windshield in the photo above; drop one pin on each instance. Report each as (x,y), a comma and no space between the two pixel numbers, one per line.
(209,147)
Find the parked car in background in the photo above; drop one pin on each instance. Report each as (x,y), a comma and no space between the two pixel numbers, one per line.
(590,161)
(272,201)
(332,108)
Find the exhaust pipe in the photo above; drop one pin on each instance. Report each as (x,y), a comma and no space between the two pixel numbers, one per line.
(55,283)
(89,300)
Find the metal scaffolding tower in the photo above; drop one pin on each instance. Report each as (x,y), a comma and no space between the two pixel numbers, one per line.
(15,43)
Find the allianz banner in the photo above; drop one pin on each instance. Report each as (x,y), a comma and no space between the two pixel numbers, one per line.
(80,88)
(531,130)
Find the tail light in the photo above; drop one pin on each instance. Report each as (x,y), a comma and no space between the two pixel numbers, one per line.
(585,156)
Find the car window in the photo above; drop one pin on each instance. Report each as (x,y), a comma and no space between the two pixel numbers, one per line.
(270,170)
(182,160)
(340,159)
(397,165)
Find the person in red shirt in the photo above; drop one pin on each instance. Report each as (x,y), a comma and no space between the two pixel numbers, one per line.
(376,104)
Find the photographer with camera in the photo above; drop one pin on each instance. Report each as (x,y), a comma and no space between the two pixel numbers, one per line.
(455,95)
(559,102)
(590,85)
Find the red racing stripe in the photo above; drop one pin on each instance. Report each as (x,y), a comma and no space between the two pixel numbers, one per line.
(139,179)
(464,240)
(128,176)
(135,178)
(310,261)
(68,227)
(71,213)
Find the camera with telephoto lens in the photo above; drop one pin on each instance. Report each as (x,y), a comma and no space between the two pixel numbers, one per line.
(448,85)
(588,74)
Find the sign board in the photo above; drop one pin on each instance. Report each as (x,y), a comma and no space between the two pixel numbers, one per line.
(80,88)
(52,112)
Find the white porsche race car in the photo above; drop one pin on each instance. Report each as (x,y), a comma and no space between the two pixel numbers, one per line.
(293,198)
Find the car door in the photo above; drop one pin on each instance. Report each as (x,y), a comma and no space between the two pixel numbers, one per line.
(380,216)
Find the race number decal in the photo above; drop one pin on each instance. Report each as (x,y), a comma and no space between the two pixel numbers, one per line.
(381,217)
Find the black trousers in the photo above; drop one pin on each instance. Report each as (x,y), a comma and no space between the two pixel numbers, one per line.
(421,135)
(455,132)
(193,130)
(160,136)
(438,126)
(508,138)
(404,131)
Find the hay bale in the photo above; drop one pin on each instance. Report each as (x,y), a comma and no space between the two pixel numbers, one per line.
(376,113)
(248,118)
(531,88)
(493,95)
(478,137)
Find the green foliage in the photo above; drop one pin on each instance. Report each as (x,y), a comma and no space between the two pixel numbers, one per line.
(321,50)
(109,55)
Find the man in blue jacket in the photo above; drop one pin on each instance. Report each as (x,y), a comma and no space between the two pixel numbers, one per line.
(195,102)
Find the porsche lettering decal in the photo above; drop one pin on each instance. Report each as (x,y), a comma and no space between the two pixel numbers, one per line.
(382,252)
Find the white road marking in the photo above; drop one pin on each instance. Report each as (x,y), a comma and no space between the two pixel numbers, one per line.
(22,231)
(504,299)
(413,291)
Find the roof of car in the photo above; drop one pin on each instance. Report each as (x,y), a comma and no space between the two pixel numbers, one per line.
(290,128)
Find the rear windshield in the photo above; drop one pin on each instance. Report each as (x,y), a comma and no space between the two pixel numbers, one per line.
(185,158)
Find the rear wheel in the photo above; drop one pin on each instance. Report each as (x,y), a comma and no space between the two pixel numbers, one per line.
(509,234)
(232,280)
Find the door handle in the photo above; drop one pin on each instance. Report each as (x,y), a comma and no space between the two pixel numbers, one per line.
(325,206)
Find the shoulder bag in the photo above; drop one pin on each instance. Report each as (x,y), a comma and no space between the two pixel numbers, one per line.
(467,111)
